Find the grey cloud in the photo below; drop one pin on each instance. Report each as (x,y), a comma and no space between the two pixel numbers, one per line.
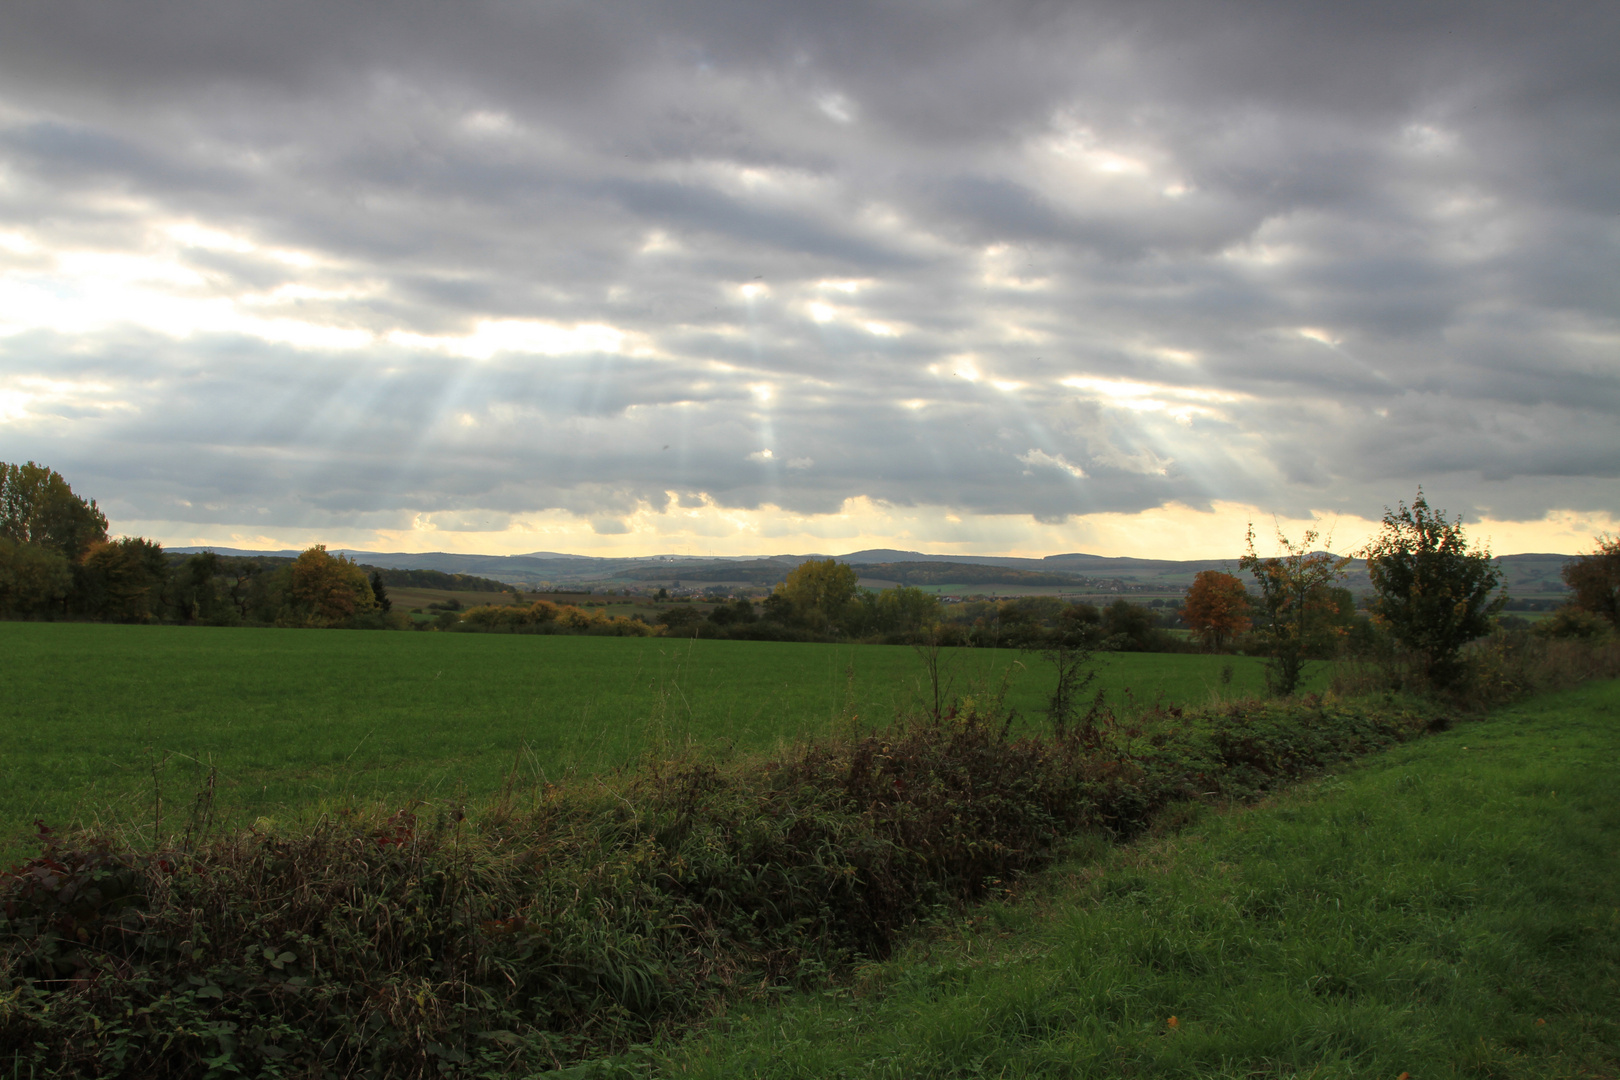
(1431,185)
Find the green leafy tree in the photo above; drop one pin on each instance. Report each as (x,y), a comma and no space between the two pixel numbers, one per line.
(38,507)
(34,581)
(1069,642)
(1594,580)
(122,580)
(1570,621)
(681,621)
(739,612)
(1295,604)
(379,593)
(1129,627)
(1431,592)
(199,590)
(818,591)
(902,610)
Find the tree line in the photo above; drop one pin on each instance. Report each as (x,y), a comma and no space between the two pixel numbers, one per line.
(58,561)
(822,600)
(1431,594)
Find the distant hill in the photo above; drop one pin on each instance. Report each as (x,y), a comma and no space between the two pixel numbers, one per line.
(1524,575)
(435,579)
(740,572)
(920,572)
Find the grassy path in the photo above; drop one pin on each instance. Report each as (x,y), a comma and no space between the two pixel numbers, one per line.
(1448,909)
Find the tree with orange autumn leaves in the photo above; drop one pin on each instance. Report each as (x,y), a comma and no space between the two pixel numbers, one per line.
(1216,609)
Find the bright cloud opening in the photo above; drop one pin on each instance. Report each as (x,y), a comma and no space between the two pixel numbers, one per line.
(518,336)
(1041,459)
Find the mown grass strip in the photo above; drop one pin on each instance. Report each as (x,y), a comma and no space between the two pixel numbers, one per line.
(1450,908)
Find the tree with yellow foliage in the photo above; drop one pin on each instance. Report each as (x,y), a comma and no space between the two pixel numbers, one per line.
(329,590)
(818,591)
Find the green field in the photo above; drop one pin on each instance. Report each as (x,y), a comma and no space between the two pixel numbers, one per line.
(1450,908)
(96,721)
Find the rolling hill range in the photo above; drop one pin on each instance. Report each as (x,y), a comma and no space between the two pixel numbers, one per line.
(1526,576)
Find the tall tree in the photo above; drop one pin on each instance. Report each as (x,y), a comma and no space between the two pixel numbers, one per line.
(818,590)
(38,507)
(1128,627)
(33,580)
(196,594)
(1594,579)
(1294,598)
(1430,591)
(379,592)
(329,590)
(122,580)
(1216,608)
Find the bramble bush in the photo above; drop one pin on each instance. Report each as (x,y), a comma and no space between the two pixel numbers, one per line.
(597,914)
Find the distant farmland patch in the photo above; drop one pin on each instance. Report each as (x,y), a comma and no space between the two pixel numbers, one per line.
(407,598)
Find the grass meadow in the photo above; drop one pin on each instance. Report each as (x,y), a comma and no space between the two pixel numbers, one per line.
(1450,908)
(119,724)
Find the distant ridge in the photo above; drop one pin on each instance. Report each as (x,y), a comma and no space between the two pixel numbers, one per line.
(1529,574)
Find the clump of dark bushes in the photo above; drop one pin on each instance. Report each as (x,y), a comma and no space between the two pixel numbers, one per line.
(428,943)
(1506,665)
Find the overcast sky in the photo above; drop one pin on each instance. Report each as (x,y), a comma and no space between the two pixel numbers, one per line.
(736,278)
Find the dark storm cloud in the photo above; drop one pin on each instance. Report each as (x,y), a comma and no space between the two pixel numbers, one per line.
(1031,259)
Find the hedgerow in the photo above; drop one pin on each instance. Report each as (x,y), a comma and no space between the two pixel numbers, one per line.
(544,617)
(429,943)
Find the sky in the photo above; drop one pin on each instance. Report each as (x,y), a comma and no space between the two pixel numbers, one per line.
(721,278)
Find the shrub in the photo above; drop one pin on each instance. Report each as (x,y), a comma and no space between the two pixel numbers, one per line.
(1431,593)
(544,617)
(424,942)
(1594,578)
(1573,622)
(1297,608)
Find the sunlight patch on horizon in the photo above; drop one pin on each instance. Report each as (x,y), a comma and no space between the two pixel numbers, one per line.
(1172,531)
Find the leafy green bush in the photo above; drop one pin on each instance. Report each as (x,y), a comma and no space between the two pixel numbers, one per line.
(1570,621)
